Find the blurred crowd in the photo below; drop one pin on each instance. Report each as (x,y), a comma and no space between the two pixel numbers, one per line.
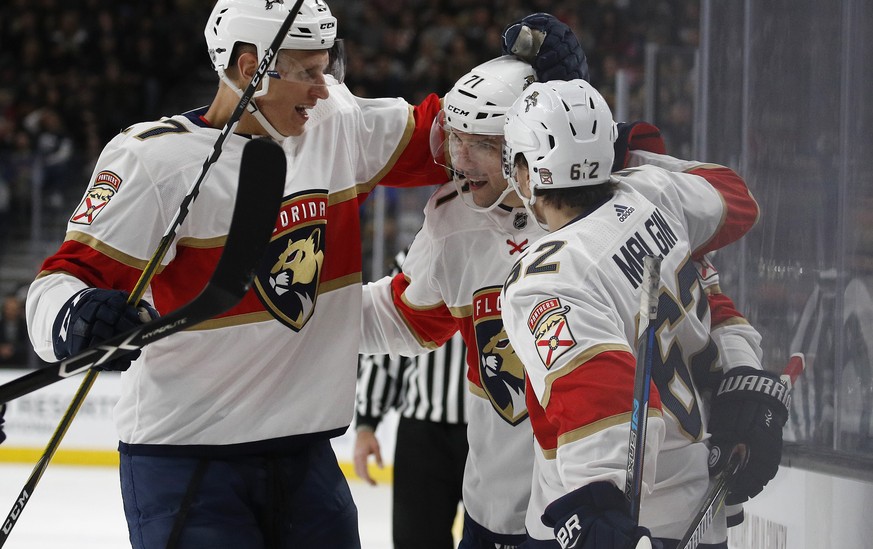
(74,73)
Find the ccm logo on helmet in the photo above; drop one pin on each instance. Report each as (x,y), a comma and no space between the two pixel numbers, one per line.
(457,110)
(328,25)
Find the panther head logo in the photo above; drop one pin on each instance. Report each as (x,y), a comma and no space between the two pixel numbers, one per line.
(503,377)
(288,285)
(298,264)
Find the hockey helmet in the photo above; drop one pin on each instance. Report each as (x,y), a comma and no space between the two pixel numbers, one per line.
(565,132)
(471,123)
(257,22)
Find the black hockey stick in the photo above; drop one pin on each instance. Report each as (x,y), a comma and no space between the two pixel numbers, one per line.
(719,491)
(259,194)
(633,485)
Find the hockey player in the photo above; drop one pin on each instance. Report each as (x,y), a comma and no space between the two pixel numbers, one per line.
(225,428)
(450,282)
(570,307)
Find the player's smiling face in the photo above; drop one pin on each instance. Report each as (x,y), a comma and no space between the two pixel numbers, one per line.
(296,85)
(477,159)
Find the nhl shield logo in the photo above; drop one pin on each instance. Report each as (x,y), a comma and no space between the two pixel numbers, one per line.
(501,372)
(287,280)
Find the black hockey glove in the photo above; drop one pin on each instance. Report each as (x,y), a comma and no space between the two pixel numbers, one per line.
(94,315)
(549,45)
(594,517)
(749,408)
(2,421)
(636,136)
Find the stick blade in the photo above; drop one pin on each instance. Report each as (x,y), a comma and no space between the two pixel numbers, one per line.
(261,182)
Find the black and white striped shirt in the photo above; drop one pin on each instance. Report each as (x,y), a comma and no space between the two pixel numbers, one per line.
(429,387)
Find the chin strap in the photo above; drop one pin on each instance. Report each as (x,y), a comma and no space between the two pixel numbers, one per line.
(528,205)
(252,107)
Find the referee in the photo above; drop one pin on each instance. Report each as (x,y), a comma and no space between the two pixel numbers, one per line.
(431,448)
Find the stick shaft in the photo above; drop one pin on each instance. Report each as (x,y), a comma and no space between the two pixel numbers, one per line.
(642,382)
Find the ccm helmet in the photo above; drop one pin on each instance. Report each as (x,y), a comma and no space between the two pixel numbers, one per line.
(471,124)
(565,132)
(257,22)
(480,98)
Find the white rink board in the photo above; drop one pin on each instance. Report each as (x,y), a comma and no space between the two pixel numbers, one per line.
(31,420)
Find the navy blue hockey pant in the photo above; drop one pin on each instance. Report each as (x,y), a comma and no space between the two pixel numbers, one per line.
(300,501)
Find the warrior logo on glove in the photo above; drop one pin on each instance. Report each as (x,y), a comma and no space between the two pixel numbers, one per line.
(757,384)
(287,280)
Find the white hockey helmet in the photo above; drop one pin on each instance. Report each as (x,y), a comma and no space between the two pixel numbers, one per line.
(479,100)
(476,106)
(565,132)
(257,22)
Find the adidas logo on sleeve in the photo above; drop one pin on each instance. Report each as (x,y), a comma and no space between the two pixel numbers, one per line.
(623,212)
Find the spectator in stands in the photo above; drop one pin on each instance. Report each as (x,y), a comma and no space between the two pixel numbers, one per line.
(14,343)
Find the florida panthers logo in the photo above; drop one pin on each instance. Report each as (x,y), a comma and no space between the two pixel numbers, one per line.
(287,280)
(531,101)
(501,373)
(271,2)
(105,186)
(548,324)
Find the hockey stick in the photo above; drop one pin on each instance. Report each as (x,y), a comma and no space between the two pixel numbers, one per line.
(261,182)
(633,484)
(715,498)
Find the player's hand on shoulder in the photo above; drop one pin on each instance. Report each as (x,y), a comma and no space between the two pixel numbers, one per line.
(595,517)
(636,136)
(549,45)
(749,408)
(94,315)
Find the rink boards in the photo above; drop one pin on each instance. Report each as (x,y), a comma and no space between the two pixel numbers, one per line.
(91,440)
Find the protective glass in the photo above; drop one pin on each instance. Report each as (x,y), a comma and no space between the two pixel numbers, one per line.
(316,70)
(473,159)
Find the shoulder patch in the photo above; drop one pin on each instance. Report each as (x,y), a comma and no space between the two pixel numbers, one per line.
(548,324)
(105,185)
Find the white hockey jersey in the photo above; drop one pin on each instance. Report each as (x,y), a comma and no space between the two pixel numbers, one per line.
(282,363)
(451,281)
(571,308)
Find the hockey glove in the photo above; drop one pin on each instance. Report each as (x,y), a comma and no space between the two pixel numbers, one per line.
(750,408)
(94,315)
(594,517)
(2,421)
(636,136)
(549,45)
